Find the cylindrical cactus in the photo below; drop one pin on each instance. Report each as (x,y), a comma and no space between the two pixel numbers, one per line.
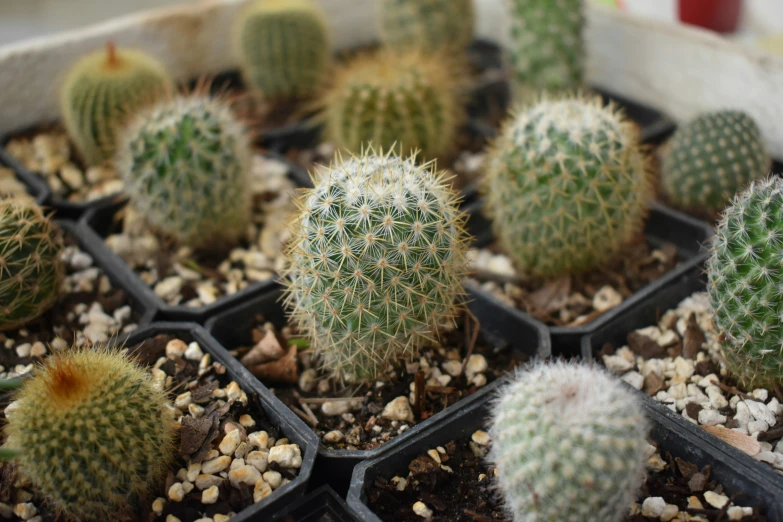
(407,101)
(102,90)
(31,270)
(546,47)
(93,432)
(745,281)
(283,46)
(568,441)
(427,25)
(567,185)
(376,262)
(185,163)
(712,157)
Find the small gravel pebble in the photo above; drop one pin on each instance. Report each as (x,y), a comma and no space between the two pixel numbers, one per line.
(653,507)
(421,509)
(716,500)
(398,409)
(286,456)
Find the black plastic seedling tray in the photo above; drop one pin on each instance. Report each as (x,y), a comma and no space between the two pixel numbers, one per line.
(322,505)
(263,400)
(663,225)
(98,223)
(647,313)
(232,329)
(734,475)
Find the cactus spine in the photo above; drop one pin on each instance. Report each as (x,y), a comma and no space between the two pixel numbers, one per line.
(93,433)
(547,51)
(185,163)
(30,267)
(376,262)
(427,25)
(407,100)
(284,47)
(712,157)
(569,444)
(101,90)
(746,283)
(567,185)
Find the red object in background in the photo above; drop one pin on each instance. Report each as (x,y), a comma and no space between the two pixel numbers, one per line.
(719,15)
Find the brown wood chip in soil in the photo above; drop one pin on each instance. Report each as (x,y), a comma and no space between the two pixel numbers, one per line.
(184,374)
(363,427)
(568,301)
(461,497)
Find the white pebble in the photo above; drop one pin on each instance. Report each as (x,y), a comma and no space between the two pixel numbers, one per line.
(738,513)
(758,426)
(760,394)
(653,507)
(273,478)
(453,368)
(25,510)
(261,490)
(176,492)
(335,408)
(715,500)
(175,348)
(233,392)
(259,439)
(669,512)
(207,481)
(333,437)
(480,437)
(635,379)
(244,475)
(246,421)
(477,363)
(398,409)
(215,465)
(230,442)
(158,504)
(717,400)
(421,509)
(23,350)
(193,352)
(606,298)
(210,495)
(286,456)
(258,459)
(743,415)
(711,418)
(184,400)
(617,363)
(760,412)
(194,470)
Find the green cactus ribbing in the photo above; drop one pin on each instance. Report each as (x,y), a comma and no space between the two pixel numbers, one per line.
(746,284)
(92,432)
(30,267)
(712,157)
(569,444)
(284,47)
(391,100)
(546,47)
(376,262)
(185,163)
(567,186)
(101,91)
(427,25)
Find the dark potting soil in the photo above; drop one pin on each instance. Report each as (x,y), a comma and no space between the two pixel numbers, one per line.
(196,438)
(363,427)
(571,300)
(468,493)
(62,319)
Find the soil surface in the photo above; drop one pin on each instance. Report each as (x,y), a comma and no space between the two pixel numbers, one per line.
(217,407)
(365,417)
(465,491)
(574,300)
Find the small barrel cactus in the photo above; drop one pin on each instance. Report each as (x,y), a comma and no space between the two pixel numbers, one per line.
(427,25)
(711,158)
(376,262)
(408,101)
(745,282)
(92,432)
(283,46)
(567,185)
(546,46)
(569,443)
(101,91)
(185,163)
(31,270)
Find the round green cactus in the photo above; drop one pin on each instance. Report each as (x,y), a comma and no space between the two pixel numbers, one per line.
(283,46)
(101,90)
(376,262)
(185,163)
(394,100)
(712,157)
(31,270)
(569,444)
(546,47)
(92,433)
(745,282)
(567,185)
(427,25)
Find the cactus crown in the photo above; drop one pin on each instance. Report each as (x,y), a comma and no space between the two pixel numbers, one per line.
(547,51)
(427,25)
(567,185)
(376,262)
(284,47)
(746,283)
(409,98)
(30,267)
(93,433)
(712,157)
(185,163)
(101,90)
(568,441)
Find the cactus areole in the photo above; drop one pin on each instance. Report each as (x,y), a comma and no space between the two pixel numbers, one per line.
(376,262)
